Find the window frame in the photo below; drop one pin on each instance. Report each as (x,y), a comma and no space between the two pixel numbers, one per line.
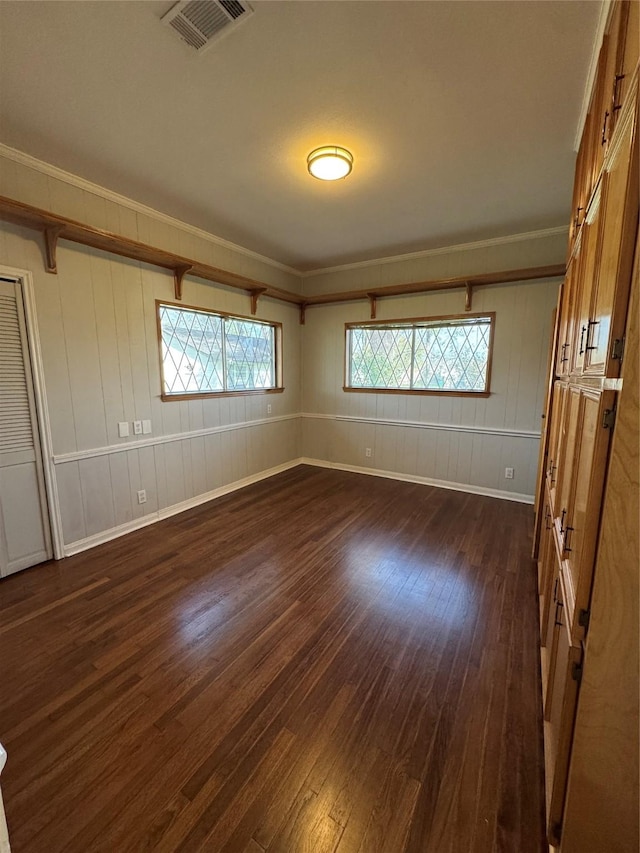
(201,395)
(412,321)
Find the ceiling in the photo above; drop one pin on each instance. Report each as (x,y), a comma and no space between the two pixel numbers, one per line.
(461,116)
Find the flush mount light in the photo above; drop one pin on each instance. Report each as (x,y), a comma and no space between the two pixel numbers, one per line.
(330,163)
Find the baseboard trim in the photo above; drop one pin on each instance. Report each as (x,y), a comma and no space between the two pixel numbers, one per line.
(426,481)
(138,523)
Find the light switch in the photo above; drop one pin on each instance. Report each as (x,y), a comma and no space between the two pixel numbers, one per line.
(137,427)
(146,427)
(123,429)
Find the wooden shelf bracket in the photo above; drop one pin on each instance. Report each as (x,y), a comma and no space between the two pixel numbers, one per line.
(468,299)
(373,301)
(255,295)
(178,276)
(50,245)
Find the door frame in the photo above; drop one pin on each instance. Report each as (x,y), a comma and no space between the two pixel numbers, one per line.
(24,279)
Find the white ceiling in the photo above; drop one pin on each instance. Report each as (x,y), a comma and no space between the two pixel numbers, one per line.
(461,116)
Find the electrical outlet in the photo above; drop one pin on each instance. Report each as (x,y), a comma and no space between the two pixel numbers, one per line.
(367,452)
(268,408)
(146,427)
(123,429)
(508,473)
(142,496)
(137,427)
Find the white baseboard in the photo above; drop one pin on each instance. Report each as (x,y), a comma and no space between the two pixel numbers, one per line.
(427,481)
(167,512)
(174,509)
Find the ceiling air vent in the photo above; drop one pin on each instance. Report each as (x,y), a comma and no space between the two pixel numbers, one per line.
(201,22)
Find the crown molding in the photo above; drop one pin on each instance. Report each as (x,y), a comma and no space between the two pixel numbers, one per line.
(52,171)
(603,18)
(443,250)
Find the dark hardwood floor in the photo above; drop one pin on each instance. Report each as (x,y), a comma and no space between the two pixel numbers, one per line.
(321,662)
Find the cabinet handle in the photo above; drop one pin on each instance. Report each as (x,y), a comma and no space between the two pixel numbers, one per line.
(563,357)
(590,325)
(547,516)
(616,105)
(555,591)
(565,545)
(559,622)
(584,329)
(576,221)
(603,141)
(564,512)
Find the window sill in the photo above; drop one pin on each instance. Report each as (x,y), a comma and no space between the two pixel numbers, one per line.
(414,391)
(208,395)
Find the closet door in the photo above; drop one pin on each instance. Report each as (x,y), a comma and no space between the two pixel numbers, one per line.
(24,528)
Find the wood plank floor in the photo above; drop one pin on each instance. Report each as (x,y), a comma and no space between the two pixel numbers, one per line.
(320,662)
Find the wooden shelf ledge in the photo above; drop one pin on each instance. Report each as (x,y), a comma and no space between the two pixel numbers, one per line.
(56,227)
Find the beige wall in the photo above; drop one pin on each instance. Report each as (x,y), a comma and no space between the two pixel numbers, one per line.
(98,335)
(453,440)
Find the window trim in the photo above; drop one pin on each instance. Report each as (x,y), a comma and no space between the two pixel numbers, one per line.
(408,321)
(202,395)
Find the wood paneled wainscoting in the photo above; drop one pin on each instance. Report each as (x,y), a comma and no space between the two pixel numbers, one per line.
(321,662)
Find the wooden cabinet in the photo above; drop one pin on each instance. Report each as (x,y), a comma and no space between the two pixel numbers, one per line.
(546,567)
(584,286)
(618,229)
(561,674)
(582,629)
(579,530)
(561,495)
(557,420)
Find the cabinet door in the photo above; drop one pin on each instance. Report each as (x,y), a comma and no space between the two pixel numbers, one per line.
(546,573)
(580,528)
(557,416)
(550,637)
(612,62)
(563,362)
(627,55)
(586,284)
(597,110)
(559,727)
(619,221)
(566,454)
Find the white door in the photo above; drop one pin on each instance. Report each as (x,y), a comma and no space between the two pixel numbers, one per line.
(25,537)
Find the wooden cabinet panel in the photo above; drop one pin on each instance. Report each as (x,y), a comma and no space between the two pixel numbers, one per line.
(561,675)
(557,419)
(566,454)
(618,229)
(563,361)
(546,568)
(585,285)
(612,62)
(580,528)
(628,49)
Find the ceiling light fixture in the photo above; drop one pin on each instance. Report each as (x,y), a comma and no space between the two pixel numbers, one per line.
(330,163)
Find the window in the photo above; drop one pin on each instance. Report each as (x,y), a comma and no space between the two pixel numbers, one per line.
(435,355)
(203,353)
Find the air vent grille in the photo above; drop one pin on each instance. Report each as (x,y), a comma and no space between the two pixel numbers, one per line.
(200,22)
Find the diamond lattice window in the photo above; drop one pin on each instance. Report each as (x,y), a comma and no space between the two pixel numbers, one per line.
(437,355)
(207,353)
